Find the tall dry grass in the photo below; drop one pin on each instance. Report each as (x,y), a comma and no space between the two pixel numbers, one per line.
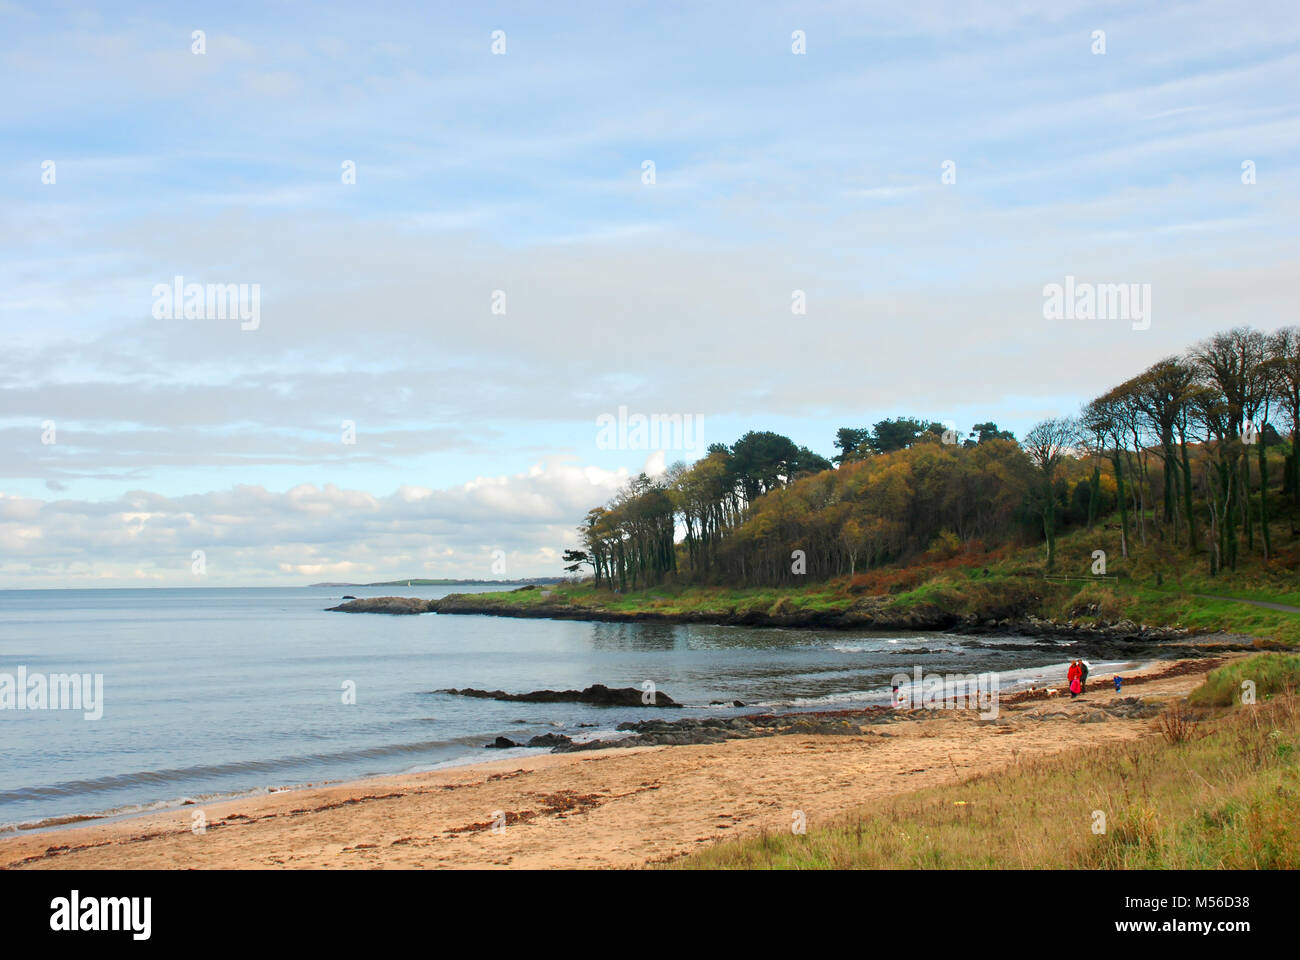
(1223,794)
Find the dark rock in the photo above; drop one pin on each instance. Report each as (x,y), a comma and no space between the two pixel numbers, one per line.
(572,747)
(393,605)
(597,695)
(1131,708)
(502,743)
(549,740)
(697,730)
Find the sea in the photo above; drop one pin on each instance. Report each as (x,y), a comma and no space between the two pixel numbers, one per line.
(212,693)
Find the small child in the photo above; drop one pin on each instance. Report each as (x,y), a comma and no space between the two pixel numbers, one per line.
(1118,682)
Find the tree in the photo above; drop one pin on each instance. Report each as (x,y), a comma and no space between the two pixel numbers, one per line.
(1101,417)
(1092,436)
(984,432)
(1284,357)
(1161,394)
(890,435)
(1046,446)
(851,442)
(577,559)
(1229,370)
(762,462)
(806,462)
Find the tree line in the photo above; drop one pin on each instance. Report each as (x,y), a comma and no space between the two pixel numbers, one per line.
(1180,451)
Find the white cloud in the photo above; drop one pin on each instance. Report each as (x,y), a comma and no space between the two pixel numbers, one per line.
(249,534)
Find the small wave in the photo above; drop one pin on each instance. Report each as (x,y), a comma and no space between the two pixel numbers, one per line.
(187,774)
(866,697)
(135,809)
(883,647)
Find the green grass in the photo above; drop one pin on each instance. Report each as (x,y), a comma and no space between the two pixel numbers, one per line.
(1228,797)
(1225,588)
(1272,674)
(677,599)
(1166,605)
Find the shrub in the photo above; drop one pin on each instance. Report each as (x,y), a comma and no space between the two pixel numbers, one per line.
(1177,724)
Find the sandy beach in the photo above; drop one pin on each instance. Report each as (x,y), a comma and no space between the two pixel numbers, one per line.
(616,808)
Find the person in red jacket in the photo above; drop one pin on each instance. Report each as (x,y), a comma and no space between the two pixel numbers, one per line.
(1073,677)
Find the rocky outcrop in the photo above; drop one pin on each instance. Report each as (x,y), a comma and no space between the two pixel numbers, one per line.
(868,613)
(859,722)
(658,733)
(871,613)
(597,695)
(545,740)
(550,740)
(695,730)
(393,605)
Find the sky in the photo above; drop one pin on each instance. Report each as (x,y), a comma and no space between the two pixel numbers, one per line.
(474,230)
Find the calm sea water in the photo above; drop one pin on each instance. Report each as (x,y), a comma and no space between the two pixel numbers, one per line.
(211,692)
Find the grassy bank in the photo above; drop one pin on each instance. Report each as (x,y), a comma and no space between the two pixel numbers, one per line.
(1221,792)
(1270,677)
(1154,587)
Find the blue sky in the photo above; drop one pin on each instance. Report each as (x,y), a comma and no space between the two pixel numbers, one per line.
(522,172)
